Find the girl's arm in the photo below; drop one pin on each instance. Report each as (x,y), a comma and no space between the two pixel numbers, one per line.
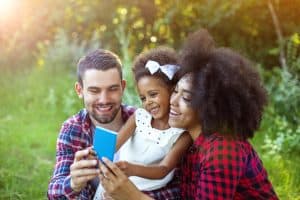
(126,131)
(161,169)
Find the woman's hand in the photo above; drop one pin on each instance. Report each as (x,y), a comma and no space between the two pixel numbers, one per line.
(117,184)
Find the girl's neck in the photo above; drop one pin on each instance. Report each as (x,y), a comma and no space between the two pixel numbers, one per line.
(160,124)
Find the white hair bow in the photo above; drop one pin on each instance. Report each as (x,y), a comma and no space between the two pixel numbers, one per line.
(169,70)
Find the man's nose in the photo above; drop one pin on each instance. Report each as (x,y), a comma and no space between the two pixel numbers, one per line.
(103,97)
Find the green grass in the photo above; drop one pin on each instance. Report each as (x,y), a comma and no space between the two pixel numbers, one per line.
(28,134)
(283,170)
(33,106)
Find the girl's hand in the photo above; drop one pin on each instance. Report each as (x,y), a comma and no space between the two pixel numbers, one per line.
(126,167)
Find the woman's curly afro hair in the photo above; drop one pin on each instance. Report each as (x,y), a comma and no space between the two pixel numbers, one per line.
(228,94)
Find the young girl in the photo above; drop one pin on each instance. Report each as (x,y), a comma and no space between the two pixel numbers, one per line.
(152,148)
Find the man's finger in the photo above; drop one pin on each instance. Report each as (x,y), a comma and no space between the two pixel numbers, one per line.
(83,179)
(91,157)
(84,164)
(85,172)
(79,155)
(92,151)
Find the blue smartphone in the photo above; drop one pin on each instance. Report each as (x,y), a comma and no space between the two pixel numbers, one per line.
(105,143)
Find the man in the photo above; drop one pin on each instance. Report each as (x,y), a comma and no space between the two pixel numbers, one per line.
(101,87)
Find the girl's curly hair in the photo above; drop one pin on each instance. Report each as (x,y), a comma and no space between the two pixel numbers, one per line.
(227,90)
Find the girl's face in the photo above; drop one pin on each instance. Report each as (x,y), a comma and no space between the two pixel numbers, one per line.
(155,97)
(182,115)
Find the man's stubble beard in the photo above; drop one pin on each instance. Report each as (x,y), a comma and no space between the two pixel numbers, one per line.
(105,119)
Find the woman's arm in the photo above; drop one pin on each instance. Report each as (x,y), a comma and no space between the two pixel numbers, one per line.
(126,131)
(117,184)
(160,170)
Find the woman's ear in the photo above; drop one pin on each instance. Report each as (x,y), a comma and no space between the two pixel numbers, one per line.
(79,90)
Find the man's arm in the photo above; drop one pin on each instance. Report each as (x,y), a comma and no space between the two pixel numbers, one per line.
(126,131)
(160,170)
(62,182)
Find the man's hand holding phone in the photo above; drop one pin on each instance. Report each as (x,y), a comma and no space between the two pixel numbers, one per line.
(84,168)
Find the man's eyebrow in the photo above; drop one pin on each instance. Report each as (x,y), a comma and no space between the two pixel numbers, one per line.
(115,85)
(93,88)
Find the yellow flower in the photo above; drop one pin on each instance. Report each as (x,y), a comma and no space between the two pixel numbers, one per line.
(296,39)
(40,63)
(122,11)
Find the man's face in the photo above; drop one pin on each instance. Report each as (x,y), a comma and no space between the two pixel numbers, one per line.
(102,94)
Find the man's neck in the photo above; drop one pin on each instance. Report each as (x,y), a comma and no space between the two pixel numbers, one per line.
(115,125)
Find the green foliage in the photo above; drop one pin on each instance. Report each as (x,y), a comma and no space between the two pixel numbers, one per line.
(283,171)
(35,103)
(243,25)
(281,120)
(42,43)
(279,136)
(28,137)
(293,55)
(64,52)
(130,97)
(285,91)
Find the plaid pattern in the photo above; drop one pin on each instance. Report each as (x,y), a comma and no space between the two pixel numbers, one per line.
(170,192)
(75,134)
(219,168)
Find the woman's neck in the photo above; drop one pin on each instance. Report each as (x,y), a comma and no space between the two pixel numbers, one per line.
(195,131)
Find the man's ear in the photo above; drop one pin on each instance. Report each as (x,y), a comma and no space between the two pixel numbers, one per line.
(79,89)
(123,83)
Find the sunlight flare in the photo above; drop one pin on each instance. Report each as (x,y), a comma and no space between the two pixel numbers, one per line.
(7,8)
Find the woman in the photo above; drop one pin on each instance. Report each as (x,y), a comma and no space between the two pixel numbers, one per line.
(219,100)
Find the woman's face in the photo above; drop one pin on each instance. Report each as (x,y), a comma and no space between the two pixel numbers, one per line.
(182,115)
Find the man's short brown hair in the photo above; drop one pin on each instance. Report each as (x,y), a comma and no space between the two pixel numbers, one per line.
(99,59)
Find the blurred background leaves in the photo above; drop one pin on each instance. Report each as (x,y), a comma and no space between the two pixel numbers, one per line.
(41,42)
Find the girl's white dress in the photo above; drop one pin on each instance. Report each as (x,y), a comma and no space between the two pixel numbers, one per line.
(148,146)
